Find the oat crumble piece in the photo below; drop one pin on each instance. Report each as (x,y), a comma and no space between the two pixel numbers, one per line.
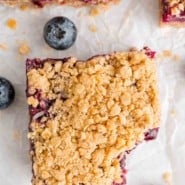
(94,11)
(24,49)
(93,28)
(11,23)
(167,53)
(3,46)
(86,114)
(167,177)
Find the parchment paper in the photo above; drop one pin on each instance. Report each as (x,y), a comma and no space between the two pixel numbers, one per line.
(131,23)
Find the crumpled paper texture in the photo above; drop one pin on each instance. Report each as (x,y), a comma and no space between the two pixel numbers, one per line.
(131,23)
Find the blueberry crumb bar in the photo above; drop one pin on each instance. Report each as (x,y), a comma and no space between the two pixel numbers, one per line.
(172,12)
(86,115)
(41,3)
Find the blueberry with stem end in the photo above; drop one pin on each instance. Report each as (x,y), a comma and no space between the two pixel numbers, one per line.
(7,93)
(60,33)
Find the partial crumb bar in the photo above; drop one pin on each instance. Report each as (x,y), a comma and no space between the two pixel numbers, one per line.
(173,12)
(41,3)
(84,116)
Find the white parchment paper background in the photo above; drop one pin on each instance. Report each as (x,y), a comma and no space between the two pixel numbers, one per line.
(132,23)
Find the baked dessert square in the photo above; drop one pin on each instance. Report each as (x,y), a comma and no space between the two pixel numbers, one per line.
(41,3)
(85,115)
(173,12)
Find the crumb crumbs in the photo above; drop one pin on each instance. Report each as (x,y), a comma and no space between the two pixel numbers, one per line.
(133,49)
(117,1)
(176,58)
(23,7)
(94,11)
(167,53)
(92,28)
(173,113)
(24,49)
(167,177)
(3,46)
(104,7)
(18,58)
(11,23)
(16,135)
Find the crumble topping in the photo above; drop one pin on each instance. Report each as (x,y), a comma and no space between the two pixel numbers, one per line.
(100,109)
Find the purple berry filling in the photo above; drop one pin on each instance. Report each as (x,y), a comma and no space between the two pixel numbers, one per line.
(33,64)
(40,3)
(151,134)
(149,52)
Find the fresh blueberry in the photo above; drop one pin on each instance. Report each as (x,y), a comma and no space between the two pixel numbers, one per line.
(7,93)
(60,33)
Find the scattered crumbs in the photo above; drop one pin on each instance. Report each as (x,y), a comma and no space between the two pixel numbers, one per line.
(3,46)
(92,28)
(11,23)
(18,58)
(24,49)
(133,49)
(104,7)
(160,56)
(167,177)
(176,58)
(23,7)
(167,53)
(173,113)
(81,14)
(16,135)
(117,1)
(94,11)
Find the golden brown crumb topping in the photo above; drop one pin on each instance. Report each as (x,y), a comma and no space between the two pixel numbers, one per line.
(110,102)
